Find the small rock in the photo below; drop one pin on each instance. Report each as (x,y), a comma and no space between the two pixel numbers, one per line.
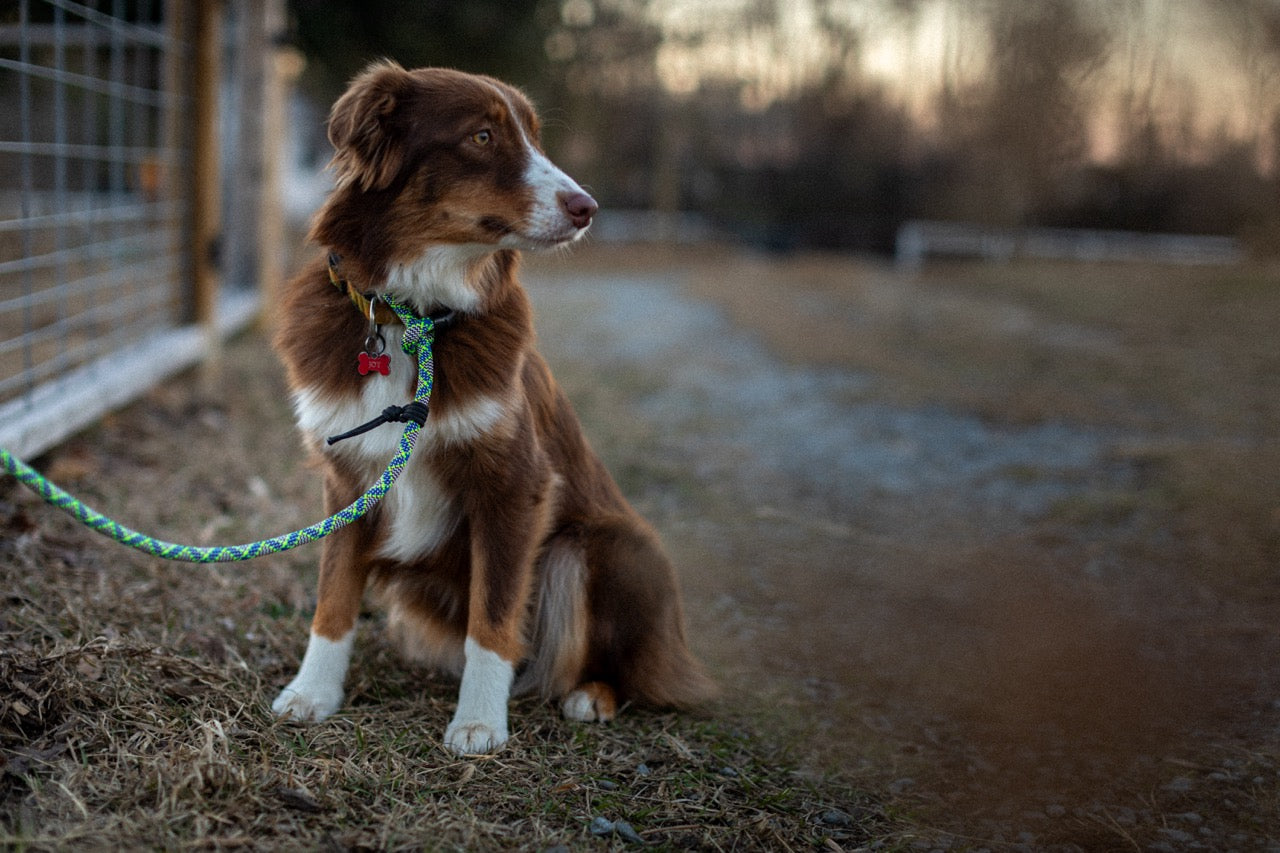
(835,817)
(602,827)
(897,787)
(1125,817)
(643,770)
(626,833)
(259,489)
(606,785)
(1176,835)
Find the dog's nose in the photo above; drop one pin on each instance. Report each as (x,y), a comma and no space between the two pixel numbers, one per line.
(580,207)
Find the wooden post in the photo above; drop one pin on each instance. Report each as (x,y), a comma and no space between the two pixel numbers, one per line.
(280,71)
(205,189)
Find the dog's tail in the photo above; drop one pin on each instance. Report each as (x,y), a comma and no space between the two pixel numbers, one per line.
(609,611)
(641,605)
(558,644)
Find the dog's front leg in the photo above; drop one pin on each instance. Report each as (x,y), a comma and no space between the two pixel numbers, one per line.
(316,691)
(505,534)
(480,724)
(493,646)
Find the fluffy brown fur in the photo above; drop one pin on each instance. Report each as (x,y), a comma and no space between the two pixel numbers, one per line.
(536,555)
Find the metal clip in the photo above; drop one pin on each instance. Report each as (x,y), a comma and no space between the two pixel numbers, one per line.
(374,343)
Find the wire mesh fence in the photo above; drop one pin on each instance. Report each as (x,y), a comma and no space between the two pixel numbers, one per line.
(88,245)
(97,233)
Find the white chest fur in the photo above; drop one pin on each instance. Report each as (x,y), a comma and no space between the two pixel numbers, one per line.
(419,511)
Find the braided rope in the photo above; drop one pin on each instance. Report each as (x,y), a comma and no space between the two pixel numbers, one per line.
(417,341)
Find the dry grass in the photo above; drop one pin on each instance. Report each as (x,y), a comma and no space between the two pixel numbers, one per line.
(124,745)
(133,693)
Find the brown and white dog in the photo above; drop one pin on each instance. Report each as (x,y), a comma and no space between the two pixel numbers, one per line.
(505,553)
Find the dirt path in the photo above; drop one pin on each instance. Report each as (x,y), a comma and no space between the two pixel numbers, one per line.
(999,550)
(929,598)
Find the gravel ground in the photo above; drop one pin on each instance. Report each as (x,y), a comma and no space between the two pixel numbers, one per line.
(973,610)
(819,427)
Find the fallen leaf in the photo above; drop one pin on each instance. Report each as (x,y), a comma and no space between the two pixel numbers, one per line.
(298,800)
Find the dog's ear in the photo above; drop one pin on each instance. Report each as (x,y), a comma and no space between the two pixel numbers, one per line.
(367,149)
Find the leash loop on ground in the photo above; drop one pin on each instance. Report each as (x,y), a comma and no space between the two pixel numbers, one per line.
(417,344)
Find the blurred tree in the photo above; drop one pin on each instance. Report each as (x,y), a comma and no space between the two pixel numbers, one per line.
(607,106)
(1027,122)
(761,114)
(499,37)
(1253,27)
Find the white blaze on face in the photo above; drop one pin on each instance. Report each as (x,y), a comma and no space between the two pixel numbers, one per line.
(550,186)
(548,220)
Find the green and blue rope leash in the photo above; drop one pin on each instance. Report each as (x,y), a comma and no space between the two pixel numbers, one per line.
(419,335)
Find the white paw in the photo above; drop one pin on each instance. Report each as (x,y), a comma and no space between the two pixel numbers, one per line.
(480,723)
(316,691)
(474,738)
(296,702)
(591,703)
(579,706)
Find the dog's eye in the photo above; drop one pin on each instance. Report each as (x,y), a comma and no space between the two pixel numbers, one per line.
(482,138)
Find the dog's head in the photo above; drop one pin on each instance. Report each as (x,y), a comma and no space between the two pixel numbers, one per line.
(435,156)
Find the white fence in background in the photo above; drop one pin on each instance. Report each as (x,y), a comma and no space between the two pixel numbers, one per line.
(919,240)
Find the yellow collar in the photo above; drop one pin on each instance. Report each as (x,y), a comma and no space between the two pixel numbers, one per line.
(369,305)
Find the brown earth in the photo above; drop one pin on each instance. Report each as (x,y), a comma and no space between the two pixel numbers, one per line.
(987,555)
(1003,539)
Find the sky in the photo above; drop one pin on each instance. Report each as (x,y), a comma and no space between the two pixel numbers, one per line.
(1196,68)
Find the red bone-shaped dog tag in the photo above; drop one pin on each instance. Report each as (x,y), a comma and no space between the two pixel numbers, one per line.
(371,363)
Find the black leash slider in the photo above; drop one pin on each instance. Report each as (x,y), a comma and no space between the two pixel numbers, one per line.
(415,412)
